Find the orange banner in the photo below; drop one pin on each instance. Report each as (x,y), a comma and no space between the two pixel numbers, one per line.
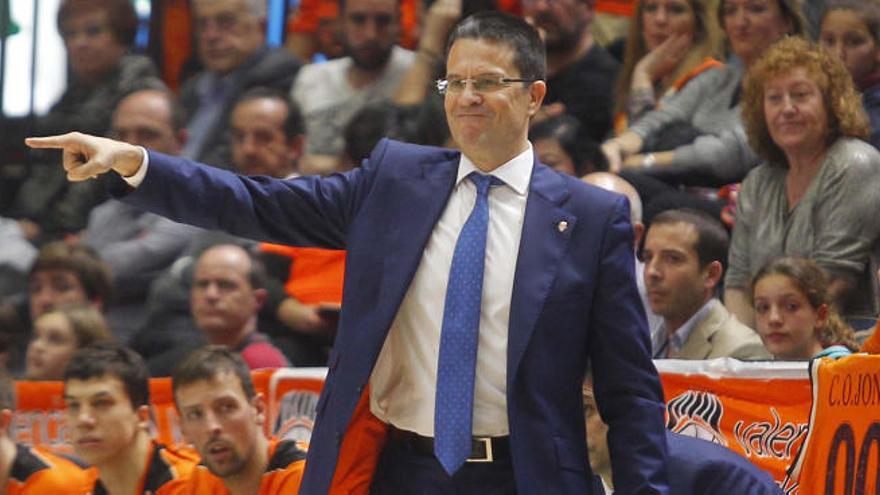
(759,410)
(842,450)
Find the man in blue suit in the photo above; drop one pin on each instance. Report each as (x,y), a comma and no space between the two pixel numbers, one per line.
(696,467)
(480,394)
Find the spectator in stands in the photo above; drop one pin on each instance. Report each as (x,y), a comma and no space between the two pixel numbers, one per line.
(696,467)
(107,397)
(226,296)
(819,190)
(58,333)
(230,44)
(330,93)
(696,138)
(614,183)
(98,35)
(684,251)
(851,30)
(794,314)
(580,73)
(669,43)
(31,471)
(223,417)
(267,134)
(135,244)
(62,273)
(559,145)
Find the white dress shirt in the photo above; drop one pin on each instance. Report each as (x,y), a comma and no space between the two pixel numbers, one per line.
(403,382)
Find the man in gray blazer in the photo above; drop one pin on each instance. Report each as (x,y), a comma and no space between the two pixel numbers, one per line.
(683,256)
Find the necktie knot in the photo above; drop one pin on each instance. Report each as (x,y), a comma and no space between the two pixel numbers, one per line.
(483,182)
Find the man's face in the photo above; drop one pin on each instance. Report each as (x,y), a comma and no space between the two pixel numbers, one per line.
(227,33)
(102,421)
(675,283)
(597,433)
(220,421)
(92,49)
(561,22)
(492,121)
(222,297)
(370,29)
(144,119)
(259,143)
(49,288)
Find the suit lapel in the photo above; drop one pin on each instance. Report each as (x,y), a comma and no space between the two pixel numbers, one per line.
(418,201)
(543,243)
(699,342)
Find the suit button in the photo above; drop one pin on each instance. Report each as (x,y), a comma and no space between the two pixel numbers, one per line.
(338,439)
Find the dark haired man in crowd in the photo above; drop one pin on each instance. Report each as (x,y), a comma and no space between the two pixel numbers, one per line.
(684,253)
(423,224)
(268,134)
(224,418)
(29,471)
(331,93)
(580,73)
(230,40)
(107,400)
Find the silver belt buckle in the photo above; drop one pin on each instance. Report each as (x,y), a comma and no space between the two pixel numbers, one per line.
(487,447)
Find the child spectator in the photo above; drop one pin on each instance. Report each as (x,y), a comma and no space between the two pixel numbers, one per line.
(58,333)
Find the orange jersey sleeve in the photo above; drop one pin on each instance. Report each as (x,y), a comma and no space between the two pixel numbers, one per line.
(37,472)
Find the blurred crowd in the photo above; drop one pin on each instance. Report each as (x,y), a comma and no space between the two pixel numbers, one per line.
(743,132)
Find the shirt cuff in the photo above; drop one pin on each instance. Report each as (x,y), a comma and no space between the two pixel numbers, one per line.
(136,179)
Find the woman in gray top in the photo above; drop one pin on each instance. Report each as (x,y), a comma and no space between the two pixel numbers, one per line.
(819,191)
(710,103)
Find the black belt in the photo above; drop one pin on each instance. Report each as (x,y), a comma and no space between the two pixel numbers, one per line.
(483,449)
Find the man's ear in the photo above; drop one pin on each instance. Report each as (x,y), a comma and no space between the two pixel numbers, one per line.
(295,148)
(638,232)
(143,413)
(713,272)
(537,92)
(260,296)
(259,403)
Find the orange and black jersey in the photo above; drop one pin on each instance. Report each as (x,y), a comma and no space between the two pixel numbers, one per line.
(168,470)
(39,472)
(283,474)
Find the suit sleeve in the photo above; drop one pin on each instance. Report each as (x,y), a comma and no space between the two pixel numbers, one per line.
(306,211)
(626,383)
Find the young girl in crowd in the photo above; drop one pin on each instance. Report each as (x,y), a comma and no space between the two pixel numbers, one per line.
(59,333)
(793,313)
(851,30)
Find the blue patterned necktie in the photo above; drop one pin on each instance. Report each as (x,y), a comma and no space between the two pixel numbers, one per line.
(454,401)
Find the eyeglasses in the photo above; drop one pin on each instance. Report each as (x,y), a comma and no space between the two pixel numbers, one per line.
(481,84)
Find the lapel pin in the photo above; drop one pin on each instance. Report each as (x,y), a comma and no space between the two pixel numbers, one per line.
(562,226)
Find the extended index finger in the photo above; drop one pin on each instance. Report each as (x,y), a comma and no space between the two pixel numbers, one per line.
(61,141)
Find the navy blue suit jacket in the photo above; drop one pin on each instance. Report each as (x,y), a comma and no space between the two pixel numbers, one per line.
(698,467)
(574,298)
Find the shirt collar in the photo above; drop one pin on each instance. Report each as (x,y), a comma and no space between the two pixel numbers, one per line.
(516,173)
(680,336)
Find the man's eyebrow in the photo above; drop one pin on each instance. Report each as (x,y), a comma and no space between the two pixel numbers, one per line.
(96,395)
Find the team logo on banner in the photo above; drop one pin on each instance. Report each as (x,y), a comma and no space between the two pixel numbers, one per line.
(696,414)
(296,416)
